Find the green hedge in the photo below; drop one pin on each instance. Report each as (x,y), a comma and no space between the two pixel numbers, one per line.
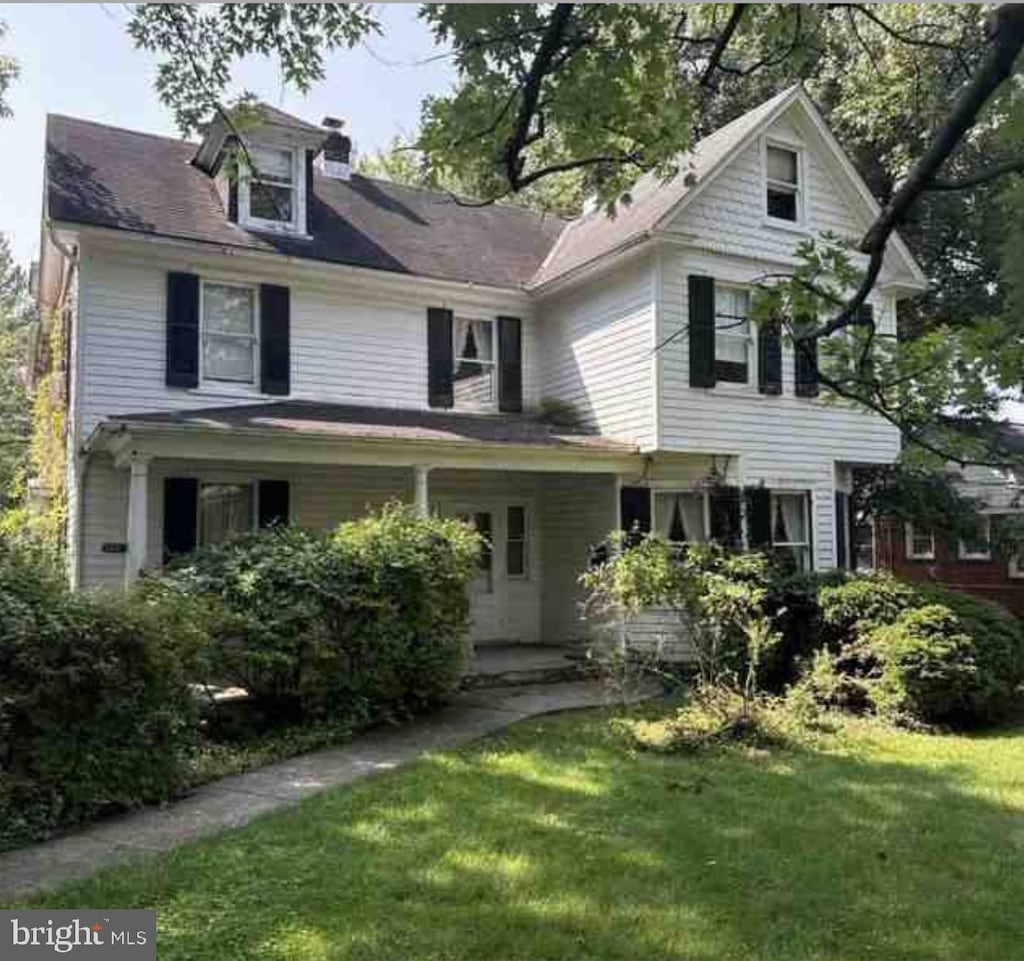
(95,708)
(364,624)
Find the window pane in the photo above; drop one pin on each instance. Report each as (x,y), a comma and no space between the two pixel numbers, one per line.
(272,164)
(782,165)
(516,523)
(228,309)
(789,519)
(979,542)
(228,358)
(224,511)
(516,559)
(680,516)
(269,202)
(781,204)
(474,339)
(482,523)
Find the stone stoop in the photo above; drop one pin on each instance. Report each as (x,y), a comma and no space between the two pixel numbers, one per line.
(514,665)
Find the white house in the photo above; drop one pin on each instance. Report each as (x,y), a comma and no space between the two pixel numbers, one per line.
(309,342)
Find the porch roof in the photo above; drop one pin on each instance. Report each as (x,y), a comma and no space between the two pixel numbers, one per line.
(292,424)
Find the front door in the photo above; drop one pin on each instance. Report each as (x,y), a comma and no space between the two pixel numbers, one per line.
(502,581)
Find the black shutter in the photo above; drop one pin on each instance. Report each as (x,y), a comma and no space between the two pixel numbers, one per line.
(769,356)
(182,352)
(635,510)
(273,502)
(510,356)
(233,200)
(181,496)
(759,517)
(702,331)
(440,361)
(310,198)
(842,549)
(805,363)
(726,524)
(275,339)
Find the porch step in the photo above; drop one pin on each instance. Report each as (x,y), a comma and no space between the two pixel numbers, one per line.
(514,665)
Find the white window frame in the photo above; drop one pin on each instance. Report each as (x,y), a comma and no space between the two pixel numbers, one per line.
(964,555)
(298,222)
(909,535)
(1014,569)
(807,500)
(748,337)
(204,378)
(222,482)
(495,366)
(797,189)
(525,541)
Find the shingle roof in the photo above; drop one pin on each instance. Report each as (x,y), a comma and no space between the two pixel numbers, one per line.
(596,234)
(109,177)
(345,421)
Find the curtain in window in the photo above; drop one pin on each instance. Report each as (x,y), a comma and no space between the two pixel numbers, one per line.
(681,517)
(224,511)
(794,518)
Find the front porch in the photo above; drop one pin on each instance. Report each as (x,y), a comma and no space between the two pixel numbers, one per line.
(156,484)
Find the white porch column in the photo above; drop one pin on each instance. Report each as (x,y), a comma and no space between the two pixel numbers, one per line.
(138,497)
(421,497)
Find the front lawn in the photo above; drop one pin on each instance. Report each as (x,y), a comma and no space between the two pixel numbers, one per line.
(555,840)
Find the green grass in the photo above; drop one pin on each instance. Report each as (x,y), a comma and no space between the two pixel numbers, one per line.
(555,840)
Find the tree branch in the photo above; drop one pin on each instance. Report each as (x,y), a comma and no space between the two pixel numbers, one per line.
(723,40)
(981,177)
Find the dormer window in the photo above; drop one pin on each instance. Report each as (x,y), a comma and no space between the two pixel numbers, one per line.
(783,183)
(270,197)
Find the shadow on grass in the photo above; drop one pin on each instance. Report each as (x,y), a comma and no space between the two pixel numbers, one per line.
(554,842)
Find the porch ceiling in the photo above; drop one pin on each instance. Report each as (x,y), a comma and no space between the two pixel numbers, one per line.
(311,432)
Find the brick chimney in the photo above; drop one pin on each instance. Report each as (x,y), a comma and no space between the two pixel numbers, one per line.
(335,158)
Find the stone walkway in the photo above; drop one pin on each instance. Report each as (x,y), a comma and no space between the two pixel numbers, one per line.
(234,801)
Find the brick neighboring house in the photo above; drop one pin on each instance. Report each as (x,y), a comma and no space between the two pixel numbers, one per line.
(976,567)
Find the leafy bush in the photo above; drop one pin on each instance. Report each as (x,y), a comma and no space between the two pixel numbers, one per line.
(924,667)
(862,603)
(366,623)
(95,708)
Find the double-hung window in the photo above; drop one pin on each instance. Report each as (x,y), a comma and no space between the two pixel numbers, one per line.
(681,516)
(225,511)
(977,547)
(920,543)
(782,196)
(273,183)
(230,339)
(475,379)
(733,340)
(791,527)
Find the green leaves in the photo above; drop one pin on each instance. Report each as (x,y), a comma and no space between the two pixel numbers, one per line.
(201,44)
(8,73)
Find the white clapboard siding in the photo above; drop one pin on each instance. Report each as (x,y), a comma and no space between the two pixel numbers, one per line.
(596,352)
(577,513)
(350,344)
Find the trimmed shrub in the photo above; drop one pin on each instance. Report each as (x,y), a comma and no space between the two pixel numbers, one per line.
(862,603)
(95,708)
(924,668)
(364,624)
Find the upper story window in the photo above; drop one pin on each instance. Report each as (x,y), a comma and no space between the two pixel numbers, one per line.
(920,543)
(783,201)
(979,546)
(733,341)
(270,194)
(475,377)
(230,341)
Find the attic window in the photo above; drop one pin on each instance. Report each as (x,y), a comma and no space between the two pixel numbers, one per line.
(270,195)
(783,187)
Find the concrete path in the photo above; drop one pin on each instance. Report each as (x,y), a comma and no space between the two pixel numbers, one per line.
(234,801)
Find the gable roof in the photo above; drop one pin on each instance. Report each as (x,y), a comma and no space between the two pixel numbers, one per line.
(654,202)
(109,177)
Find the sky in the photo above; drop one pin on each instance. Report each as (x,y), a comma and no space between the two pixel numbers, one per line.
(78,59)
